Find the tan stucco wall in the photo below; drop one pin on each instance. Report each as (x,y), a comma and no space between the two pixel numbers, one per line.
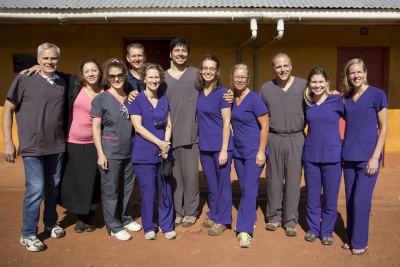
(307,45)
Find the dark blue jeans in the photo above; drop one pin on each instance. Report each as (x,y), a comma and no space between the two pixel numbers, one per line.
(42,176)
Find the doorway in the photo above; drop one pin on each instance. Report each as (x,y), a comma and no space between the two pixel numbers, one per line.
(157,50)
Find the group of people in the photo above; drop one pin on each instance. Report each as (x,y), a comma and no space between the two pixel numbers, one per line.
(102,131)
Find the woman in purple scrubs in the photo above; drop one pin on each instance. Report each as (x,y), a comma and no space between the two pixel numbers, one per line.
(150,117)
(365,133)
(215,145)
(322,155)
(250,125)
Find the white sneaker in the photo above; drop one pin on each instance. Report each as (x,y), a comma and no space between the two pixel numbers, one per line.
(122,235)
(56,231)
(244,240)
(150,235)
(170,235)
(32,243)
(133,226)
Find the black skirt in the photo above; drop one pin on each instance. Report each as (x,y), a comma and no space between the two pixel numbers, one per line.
(80,186)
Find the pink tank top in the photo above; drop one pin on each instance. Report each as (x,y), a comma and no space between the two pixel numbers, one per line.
(81,126)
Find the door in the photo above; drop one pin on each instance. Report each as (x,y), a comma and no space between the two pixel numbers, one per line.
(157,50)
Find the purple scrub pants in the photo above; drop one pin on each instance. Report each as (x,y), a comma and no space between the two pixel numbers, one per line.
(321,220)
(359,188)
(248,174)
(150,181)
(219,186)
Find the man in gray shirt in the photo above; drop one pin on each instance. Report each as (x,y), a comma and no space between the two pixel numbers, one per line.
(284,99)
(182,97)
(38,102)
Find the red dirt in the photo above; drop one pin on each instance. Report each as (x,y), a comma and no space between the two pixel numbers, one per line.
(194,247)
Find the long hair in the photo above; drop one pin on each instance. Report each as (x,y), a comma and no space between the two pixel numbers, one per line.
(81,81)
(199,83)
(112,63)
(308,94)
(348,88)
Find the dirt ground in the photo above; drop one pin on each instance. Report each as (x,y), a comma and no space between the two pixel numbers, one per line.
(193,247)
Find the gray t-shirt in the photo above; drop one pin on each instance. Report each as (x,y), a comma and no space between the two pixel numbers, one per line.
(116,137)
(182,96)
(285,108)
(39,112)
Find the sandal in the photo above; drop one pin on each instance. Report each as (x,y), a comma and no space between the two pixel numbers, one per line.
(345,246)
(359,252)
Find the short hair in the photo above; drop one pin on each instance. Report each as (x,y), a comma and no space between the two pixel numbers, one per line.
(239,67)
(81,81)
(112,63)
(199,82)
(179,42)
(135,45)
(46,46)
(280,54)
(152,66)
(308,94)
(348,88)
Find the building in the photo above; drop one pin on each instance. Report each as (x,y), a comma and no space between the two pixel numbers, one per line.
(250,31)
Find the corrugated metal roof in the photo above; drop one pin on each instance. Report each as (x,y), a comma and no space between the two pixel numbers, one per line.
(107,4)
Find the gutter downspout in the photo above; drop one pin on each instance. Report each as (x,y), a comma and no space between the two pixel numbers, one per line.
(280,28)
(253,28)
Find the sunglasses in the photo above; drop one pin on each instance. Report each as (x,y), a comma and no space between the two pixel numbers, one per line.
(113,76)
(124,111)
(160,124)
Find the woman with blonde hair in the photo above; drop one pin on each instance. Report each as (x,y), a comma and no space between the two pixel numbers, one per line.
(149,113)
(365,109)
(322,155)
(250,125)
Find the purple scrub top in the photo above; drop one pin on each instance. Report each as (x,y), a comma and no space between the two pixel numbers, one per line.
(210,121)
(154,120)
(323,144)
(246,131)
(361,133)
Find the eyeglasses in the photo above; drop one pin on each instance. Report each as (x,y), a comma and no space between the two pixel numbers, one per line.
(160,124)
(124,111)
(240,78)
(210,69)
(112,77)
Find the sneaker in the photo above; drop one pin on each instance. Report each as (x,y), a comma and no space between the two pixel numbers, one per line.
(178,220)
(272,226)
(150,235)
(133,226)
(327,241)
(122,235)
(244,240)
(170,235)
(217,229)
(310,237)
(32,243)
(188,221)
(79,227)
(56,231)
(290,231)
(208,223)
